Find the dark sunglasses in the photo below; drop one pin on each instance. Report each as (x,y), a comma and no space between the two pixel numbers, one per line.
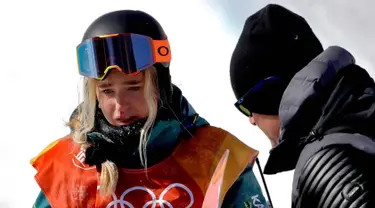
(243,104)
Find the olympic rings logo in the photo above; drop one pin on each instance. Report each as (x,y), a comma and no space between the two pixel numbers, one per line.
(125,204)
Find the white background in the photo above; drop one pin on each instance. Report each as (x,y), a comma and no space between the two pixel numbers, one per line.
(40,84)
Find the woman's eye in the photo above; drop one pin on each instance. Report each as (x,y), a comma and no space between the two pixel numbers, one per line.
(107,91)
(134,88)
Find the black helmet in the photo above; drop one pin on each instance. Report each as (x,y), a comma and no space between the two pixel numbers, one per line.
(138,22)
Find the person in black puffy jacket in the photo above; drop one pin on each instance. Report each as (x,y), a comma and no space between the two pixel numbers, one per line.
(317,107)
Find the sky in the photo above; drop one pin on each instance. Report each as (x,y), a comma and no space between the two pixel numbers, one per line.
(41,86)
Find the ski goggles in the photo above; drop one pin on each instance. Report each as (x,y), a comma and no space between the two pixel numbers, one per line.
(246,102)
(129,53)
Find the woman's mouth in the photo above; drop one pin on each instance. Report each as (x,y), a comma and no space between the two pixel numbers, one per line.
(126,121)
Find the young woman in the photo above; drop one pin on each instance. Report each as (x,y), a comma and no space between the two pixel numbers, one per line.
(136,141)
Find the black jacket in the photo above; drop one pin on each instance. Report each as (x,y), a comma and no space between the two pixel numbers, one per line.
(327,117)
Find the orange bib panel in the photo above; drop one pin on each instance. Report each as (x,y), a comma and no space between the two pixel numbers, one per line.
(180,180)
(167,184)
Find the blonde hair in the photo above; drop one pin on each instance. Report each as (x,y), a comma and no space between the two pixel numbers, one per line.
(83,123)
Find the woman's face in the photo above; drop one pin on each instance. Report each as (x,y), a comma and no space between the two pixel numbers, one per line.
(121,98)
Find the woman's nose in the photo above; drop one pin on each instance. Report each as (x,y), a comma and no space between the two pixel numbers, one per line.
(122,105)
